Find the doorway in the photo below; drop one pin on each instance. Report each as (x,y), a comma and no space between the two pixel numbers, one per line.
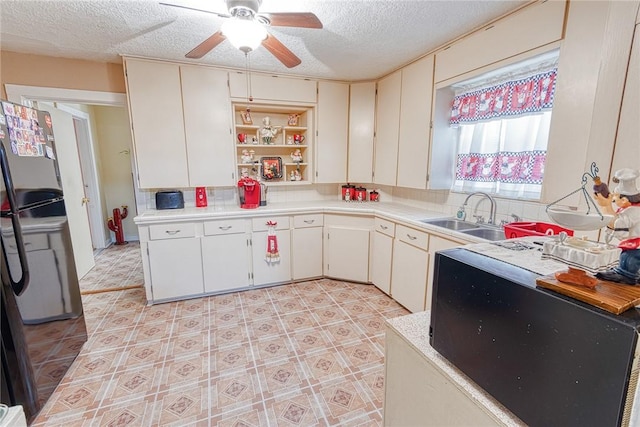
(80,106)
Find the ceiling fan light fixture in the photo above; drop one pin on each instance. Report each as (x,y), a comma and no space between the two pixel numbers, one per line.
(244,34)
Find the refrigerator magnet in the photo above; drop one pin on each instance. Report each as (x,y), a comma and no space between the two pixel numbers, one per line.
(49,153)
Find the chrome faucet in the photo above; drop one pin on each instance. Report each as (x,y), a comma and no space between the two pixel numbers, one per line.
(492,212)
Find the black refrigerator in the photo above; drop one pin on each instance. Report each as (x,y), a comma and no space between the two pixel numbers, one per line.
(42,320)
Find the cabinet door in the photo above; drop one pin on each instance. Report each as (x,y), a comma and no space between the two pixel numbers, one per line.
(273,88)
(362,114)
(265,272)
(381,253)
(226,262)
(627,149)
(586,104)
(514,34)
(436,244)
(415,129)
(307,253)
(207,126)
(347,254)
(155,105)
(387,127)
(409,276)
(176,268)
(333,128)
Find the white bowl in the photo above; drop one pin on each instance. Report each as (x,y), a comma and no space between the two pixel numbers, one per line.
(578,220)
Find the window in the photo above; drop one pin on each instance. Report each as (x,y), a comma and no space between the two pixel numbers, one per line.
(502,127)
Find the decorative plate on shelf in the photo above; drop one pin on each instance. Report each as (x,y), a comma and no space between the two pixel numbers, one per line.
(271,167)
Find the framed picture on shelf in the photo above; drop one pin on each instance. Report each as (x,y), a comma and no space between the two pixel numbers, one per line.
(293,119)
(271,167)
(246,117)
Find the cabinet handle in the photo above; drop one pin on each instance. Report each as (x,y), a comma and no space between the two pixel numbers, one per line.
(384,227)
(172,232)
(225,228)
(309,221)
(411,237)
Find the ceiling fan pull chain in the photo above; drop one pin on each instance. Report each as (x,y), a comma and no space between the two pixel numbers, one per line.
(249,78)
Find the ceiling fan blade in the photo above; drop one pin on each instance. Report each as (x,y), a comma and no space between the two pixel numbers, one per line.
(280,51)
(203,48)
(222,15)
(302,20)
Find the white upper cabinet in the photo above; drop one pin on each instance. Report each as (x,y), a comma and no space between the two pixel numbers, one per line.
(589,93)
(155,105)
(273,88)
(207,125)
(387,129)
(333,129)
(531,27)
(362,114)
(415,119)
(627,154)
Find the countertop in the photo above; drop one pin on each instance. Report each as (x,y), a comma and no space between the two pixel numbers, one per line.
(414,328)
(409,215)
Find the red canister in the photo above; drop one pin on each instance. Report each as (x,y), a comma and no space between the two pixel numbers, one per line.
(374,196)
(201,197)
(348,192)
(360,194)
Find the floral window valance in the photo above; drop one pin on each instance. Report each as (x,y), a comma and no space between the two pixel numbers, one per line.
(509,99)
(508,167)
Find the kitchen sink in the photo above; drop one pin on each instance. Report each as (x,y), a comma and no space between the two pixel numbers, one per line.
(486,233)
(450,224)
(478,230)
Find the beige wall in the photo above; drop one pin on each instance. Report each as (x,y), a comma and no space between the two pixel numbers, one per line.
(114,145)
(46,71)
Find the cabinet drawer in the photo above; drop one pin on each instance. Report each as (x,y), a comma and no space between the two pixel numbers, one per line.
(260,224)
(172,231)
(304,221)
(385,227)
(231,226)
(32,242)
(413,237)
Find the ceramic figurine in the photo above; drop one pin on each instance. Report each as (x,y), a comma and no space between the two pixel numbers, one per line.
(296,156)
(267,131)
(297,176)
(246,157)
(625,226)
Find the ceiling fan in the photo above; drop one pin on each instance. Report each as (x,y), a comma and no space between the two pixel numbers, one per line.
(246,30)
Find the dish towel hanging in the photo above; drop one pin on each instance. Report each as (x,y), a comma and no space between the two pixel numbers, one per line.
(272,255)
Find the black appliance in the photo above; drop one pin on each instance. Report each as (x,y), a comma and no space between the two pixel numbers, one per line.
(169,200)
(550,359)
(42,321)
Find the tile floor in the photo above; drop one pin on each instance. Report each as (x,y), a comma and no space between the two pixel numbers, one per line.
(302,354)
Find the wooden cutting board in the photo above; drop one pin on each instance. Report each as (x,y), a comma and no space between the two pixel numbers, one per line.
(610,296)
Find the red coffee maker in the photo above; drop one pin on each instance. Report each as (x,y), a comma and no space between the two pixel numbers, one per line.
(249,192)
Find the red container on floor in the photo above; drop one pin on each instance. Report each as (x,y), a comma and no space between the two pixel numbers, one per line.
(523,229)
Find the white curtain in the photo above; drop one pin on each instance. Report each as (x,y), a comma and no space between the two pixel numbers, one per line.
(503,156)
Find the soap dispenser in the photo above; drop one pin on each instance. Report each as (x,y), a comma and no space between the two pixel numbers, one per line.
(461,214)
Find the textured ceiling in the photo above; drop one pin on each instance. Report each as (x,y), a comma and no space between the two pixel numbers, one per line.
(361,39)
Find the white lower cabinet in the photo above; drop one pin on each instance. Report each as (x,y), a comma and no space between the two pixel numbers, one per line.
(175,267)
(409,268)
(381,255)
(226,257)
(266,271)
(437,244)
(306,240)
(347,253)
